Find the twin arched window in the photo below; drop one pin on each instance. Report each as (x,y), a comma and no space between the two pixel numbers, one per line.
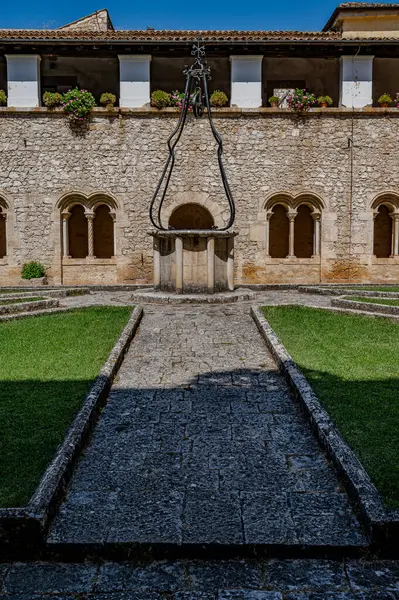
(293,229)
(88,231)
(386,227)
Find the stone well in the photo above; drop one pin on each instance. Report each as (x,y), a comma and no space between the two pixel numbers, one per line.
(190,261)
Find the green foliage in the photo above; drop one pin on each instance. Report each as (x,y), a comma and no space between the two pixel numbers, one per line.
(78,104)
(3,98)
(218,99)
(33,270)
(325,100)
(385,99)
(160,99)
(47,365)
(51,100)
(274,99)
(352,364)
(108,100)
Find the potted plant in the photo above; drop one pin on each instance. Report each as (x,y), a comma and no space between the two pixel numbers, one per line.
(177,98)
(108,100)
(385,100)
(3,98)
(300,100)
(160,99)
(34,272)
(274,101)
(324,101)
(52,99)
(218,99)
(78,104)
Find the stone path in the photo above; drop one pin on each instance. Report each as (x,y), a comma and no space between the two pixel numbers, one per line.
(202,580)
(201,443)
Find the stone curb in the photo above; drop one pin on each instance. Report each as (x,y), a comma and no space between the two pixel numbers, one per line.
(20,307)
(366,306)
(23,529)
(152,296)
(324,291)
(382,526)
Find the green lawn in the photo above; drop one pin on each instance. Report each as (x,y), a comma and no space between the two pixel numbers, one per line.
(47,365)
(352,363)
(389,301)
(19,300)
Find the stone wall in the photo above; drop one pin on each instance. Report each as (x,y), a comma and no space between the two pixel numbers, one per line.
(344,160)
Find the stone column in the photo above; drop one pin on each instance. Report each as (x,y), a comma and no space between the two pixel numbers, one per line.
(157,261)
(267,233)
(23,75)
(90,233)
(356,81)
(113,217)
(395,236)
(246,81)
(210,252)
(65,234)
(134,73)
(291,217)
(230,263)
(3,215)
(179,264)
(316,233)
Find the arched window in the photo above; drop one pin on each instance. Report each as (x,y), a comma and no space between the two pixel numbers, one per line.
(191,216)
(3,232)
(279,232)
(103,232)
(303,232)
(383,232)
(78,232)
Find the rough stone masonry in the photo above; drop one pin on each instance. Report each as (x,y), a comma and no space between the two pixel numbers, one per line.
(341,160)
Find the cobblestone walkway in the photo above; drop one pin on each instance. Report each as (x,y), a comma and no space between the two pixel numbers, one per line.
(203,580)
(201,443)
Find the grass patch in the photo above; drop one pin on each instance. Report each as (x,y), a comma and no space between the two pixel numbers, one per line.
(352,364)
(388,301)
(47,365)
(19,300)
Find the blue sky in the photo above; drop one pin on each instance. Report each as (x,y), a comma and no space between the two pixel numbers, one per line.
(175,14)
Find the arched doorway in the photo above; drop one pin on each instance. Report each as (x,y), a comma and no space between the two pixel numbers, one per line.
(191,216)
(103,230)
(77,231)
(303,232)
(279,232)
(383,233)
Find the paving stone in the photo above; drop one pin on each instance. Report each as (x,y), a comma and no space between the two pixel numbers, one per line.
(212,517)
(267,519)
(135,595)
(286,575)
(367,575)
(225,574)
(50,578)
(157,576)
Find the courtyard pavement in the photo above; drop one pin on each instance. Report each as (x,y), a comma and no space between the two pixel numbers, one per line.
(201,442)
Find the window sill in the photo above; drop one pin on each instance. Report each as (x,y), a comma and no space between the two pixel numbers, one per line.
(314,260)
(92,260)
(392,260)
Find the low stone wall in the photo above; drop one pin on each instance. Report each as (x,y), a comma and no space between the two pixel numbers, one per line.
(20,307)
(366,306)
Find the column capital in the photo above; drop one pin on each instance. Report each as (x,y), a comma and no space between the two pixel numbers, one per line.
(316,215)
(291,214)
(65,215)
(394,216)
(90,215)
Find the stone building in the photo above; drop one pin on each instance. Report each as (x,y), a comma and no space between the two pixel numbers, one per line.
(317,194)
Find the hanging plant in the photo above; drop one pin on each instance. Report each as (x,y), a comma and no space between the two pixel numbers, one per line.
(78,104)
(300,100)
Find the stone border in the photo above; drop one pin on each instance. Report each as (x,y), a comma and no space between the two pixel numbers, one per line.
(382,525)
(20,307)
(154,297)
(23,529)
(341,291)
(366,306)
